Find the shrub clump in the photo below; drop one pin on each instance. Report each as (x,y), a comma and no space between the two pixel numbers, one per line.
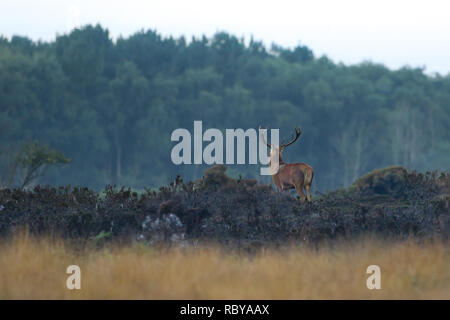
(215,177)
(234,212)
(388,181)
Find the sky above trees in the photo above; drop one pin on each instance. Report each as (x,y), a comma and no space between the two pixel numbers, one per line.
(395,33)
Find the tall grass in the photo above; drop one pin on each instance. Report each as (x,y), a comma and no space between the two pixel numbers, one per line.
(36,269)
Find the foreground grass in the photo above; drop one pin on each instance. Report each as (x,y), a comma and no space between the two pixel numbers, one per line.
(36,269)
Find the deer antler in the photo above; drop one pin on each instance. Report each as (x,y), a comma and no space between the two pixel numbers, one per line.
(298,132)
(262,136)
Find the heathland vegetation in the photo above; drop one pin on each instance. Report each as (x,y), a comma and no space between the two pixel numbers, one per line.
(237,213)
(222,238)
(33,268)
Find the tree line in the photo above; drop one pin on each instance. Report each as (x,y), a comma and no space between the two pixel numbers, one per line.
(111,106)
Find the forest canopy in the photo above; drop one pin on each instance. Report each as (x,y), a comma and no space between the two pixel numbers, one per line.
(111,106)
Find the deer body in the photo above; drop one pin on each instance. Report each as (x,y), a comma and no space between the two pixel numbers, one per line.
(296,176)
(287,176)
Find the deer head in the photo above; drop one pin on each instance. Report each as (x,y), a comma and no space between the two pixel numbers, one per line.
(278,150)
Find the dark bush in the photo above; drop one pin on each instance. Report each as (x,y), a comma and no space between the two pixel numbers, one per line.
(388,181)
(243,213)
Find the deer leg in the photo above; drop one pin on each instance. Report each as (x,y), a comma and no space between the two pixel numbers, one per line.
(308,192)
(279,187)
(299,190)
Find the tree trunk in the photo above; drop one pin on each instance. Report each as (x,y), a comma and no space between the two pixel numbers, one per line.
(118,173)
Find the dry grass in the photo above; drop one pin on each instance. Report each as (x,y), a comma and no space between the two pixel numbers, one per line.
(35,269)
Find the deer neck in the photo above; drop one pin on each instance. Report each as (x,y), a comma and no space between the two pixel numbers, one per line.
(275,165)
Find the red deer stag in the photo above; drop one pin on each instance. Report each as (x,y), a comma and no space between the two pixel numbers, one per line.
(290,175)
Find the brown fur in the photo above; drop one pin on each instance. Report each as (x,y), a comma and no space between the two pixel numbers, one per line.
(296,176)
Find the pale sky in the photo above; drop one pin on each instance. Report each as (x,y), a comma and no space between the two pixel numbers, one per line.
(392,32)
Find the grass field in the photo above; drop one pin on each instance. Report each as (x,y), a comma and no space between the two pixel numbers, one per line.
(36,269)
